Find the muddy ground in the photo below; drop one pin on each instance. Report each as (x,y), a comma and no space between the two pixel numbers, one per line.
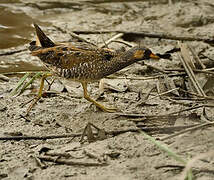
(128,155)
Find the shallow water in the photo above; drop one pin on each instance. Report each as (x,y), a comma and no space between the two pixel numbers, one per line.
(15,28)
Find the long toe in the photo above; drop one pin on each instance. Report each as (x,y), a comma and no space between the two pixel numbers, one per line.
(110,109)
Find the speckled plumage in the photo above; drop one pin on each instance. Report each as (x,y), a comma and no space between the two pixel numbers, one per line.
(84,62)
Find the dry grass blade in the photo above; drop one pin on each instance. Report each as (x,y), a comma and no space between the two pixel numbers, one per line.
(74,35)
(17,138)
(23,72)
(124,42)
(145,78)
(197,59)
(4,78)
(191,162)
(188,130)
(160,35)
(184,57)
(111,40)
(69,162)
(170,153)
(205,71)
(158,95)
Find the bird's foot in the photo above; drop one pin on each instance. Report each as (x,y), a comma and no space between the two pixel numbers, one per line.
(107,109)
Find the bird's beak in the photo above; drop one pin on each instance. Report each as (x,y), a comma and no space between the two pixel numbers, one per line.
(153,56)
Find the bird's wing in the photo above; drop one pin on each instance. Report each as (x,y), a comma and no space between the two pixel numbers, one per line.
(67,57)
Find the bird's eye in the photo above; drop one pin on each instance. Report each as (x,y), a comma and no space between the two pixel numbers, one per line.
(64,48)
(147,53)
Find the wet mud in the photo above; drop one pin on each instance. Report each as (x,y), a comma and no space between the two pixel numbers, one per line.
(156,96)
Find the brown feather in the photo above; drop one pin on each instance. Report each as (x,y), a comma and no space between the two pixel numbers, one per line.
(83,62)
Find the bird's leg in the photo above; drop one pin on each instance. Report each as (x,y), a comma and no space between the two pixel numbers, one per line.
(44,76)
(86,96)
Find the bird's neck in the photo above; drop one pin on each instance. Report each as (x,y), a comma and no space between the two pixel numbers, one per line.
(119,62)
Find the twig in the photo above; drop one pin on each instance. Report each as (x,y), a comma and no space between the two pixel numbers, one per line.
(209,105)
(184,103)
(21,116)
(155,68)
(145,116)
(206,71)
(180,167)
(13,52)
(158,116)
(197,95)
(166,130)
(111,39)
(184,49)
(145,78)
(129,115)
(184,60)
(74,35)
(70,5)
(134,78)
(65,155)
(197,59)
(187,130)
(146,96)
(124,42)
(69,162)
(4,78)
(191,99)
(207,119)
(113,133)
(112,1)
(27,102)
(42,165)
(117,132)
(158,95)
(92,155)
(187,109)
(209,69)
(24,72)
(209,40)
(70,97)
(204,56)
(40,137)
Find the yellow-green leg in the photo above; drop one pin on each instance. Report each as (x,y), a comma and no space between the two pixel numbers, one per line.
(100,106)
(44,76)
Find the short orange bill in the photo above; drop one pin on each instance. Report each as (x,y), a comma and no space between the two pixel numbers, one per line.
(153,56)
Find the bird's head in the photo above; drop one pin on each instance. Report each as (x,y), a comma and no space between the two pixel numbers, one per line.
(142,53)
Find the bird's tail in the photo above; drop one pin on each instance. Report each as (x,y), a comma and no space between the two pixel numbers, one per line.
(42,41)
